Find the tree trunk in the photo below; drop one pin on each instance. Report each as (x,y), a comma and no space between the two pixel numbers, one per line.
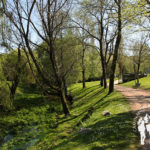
(65,87)
(64,101)
(102,82)
(138,70)
(13,88)
(135,76)
(83,78)
(118,40)
(103,61)
(104,77)
(83,68)
(103,64)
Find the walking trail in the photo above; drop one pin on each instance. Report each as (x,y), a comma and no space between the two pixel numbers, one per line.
(139,101)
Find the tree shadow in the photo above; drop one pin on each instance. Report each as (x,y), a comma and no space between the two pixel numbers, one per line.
(29,89)
(113,133)
(88,97)
(86,91)
(72,117)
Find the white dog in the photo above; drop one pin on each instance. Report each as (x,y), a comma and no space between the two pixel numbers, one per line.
(148,128)
(147,119)
(141,129)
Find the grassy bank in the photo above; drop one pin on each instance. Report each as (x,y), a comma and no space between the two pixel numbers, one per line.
(38,127)
(144,83)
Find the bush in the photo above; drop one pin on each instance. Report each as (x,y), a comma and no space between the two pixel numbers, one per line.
(5,102)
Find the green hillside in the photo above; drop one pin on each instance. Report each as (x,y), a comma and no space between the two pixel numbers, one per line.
(36,126)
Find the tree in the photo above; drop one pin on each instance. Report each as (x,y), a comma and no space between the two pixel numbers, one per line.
(140,50)
(13,67)
(117,44)
(82,37)
(122,58)
(100,17)
(68,48)
(53,14)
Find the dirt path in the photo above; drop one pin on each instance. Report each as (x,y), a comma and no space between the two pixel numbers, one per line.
(139,99)
(140,103)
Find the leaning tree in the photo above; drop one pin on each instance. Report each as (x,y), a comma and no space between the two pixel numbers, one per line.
(40,21)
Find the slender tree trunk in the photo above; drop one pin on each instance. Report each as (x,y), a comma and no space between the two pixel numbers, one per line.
(65,87)
(103,61)
(83,78)
(63,92)
(83,68)
(118,40)
(138,70)
(13,88)
(63,100)
(103,65)
(139,64)
(104,76)
(102,81)
(105,82)
(135,74)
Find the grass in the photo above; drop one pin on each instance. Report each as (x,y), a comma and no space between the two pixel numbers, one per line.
(37,127)
(144,83)
(33,117)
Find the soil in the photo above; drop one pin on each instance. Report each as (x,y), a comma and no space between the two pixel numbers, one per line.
(140,104)
(138,99)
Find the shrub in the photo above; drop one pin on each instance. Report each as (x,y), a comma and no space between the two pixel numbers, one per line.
(5,102)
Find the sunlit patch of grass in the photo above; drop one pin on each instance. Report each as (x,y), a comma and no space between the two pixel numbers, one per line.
(144,83)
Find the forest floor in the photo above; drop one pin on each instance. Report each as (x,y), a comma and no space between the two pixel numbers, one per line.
(139,101)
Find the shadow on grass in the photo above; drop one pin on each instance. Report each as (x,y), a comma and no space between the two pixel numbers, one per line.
(29,89)
(113,133)
(106,103)
(87,97)
(86,110)
(29,102)
(86,91)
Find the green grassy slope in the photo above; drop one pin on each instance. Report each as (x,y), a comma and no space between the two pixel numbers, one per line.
(144,83)
(42,129)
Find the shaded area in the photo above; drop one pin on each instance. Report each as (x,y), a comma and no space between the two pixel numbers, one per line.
(110,133)
(34,116)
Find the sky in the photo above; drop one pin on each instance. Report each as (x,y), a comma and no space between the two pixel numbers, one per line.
(129,34)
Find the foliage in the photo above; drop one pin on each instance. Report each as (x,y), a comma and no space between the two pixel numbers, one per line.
(5,96)
(8,68)
(37,122)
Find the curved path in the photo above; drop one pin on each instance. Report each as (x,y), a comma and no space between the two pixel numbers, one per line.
(139,101)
